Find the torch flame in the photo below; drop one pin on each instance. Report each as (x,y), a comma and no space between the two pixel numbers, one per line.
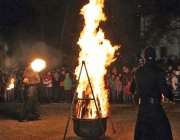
(98,53)
(38,65)
(11,85)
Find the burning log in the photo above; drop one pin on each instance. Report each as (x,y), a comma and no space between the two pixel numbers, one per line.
(84,107)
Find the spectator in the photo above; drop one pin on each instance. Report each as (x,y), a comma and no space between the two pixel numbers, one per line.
(169,60)
(41,90)
(114,71)
(5,85)
(61,90)
(118,87)
(169,75)
(55,86)
(47,81)
(67,88)
(176,60)
(126,76)
(10,92)
(175,80)
(112,90)
(141,61)
(125,79)
(128,94)
(19,91)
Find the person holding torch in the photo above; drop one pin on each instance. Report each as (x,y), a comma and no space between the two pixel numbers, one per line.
(30,110)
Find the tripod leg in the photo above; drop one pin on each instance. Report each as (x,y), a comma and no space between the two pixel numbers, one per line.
(72,104)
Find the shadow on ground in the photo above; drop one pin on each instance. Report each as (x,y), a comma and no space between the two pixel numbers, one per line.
(9,111)
(79,138)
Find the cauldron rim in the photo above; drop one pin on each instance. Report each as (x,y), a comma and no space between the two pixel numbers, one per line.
(89,119)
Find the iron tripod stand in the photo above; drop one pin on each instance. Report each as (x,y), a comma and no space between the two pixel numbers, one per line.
(72,104)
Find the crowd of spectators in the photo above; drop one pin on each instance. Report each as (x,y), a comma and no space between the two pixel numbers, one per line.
(58,85)
(119,83)
(55,86)
(169,60)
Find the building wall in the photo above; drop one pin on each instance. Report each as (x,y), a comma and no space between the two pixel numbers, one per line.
(172,49)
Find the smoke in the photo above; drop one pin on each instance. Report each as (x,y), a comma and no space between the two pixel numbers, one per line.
(26,52)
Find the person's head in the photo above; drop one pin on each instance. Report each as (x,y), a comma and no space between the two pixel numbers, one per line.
(129,83)
(112,76)
(174,71)
(29,67)
(149,54)
(6,72)
(67,75)
(49,73)
(117,77)
(114,70)
(11,75)
(108,75)
(141,61)
(177,73)
(178,68)
(170,68)
(120,75)
(127,70)
(63,72)
(124,68)
(56,74)
(134,68)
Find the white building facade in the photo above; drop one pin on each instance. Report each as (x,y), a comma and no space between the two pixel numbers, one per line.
(165,49)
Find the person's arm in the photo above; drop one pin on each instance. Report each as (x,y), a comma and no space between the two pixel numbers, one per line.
(120,86)
(70,83)
(173,83)
(133,85)
(65,84)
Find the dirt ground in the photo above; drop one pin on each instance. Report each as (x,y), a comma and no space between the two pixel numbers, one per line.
(54,119)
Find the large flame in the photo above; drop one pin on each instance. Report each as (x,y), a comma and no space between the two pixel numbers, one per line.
(11,85)
(98,53)
(38,65)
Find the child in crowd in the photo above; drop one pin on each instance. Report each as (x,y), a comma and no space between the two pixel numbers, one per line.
(128,94)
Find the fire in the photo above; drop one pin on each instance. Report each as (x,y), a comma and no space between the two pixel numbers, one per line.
(98,53)
(38,65)
(11,85)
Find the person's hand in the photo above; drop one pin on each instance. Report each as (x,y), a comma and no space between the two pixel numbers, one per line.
(26,80)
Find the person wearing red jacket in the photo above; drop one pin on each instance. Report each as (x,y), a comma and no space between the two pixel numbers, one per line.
(128,93)
(47,81)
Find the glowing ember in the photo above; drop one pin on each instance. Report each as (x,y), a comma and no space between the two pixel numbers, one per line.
(98,53)
(11,85)
(38,65)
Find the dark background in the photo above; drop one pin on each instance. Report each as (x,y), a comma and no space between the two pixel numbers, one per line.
(49,29)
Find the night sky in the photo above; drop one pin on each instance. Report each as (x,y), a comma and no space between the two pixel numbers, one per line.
(24,22)
(19,16)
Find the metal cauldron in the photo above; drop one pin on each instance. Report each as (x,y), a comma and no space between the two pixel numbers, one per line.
(89,128)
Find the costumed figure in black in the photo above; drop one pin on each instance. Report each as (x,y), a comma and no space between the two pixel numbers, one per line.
(149,82)
(30,111)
